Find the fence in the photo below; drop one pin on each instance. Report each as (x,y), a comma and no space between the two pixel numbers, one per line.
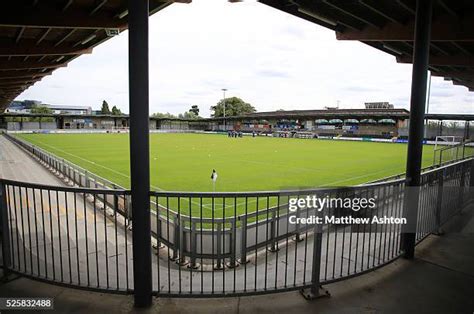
(443,156)
(455,152)
(66,235)
(213,244)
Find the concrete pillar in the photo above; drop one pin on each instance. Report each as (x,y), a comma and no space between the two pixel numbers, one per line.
(417,114)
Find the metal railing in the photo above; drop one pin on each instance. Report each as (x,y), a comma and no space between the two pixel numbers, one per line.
(69,171)
(211,244)
(461,151)
(74,175)
(449,153)
(214,244)
(66,235)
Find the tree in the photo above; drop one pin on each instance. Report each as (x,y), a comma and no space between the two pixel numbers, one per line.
(38,109)
(105,108)
(234,106)
(41,110)
(116,111)
(188,115)
(163,115)
(194,109)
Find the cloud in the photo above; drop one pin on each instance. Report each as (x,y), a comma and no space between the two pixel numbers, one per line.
(295,32)
(265,56)
(442,93)
(273,74)
(358,89)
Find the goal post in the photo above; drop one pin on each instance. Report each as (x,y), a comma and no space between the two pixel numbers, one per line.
(447,148)
(443,140)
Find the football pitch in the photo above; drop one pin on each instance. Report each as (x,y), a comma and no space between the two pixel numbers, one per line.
(184,162)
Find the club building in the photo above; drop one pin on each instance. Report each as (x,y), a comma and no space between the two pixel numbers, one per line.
(376,120)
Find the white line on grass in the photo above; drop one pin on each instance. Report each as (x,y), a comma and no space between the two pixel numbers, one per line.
(358,177)
(186,199)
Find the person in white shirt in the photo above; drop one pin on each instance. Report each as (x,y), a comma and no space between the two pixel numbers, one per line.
(214,178)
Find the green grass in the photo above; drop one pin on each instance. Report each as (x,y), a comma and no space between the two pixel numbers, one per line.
(183,162)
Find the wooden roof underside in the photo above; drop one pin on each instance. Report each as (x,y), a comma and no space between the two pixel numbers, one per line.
(38,36)
(388,25)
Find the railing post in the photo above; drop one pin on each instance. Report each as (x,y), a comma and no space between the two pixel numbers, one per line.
(462,183)
(316,290)
(63,170)
(177,240)
(182,243)
(5,225)
(471,181)
(86,179)
(243,240)
(219,247)
(439,200)
(159,230)
(232,245)
(297,227)
(273,235)
(193,249)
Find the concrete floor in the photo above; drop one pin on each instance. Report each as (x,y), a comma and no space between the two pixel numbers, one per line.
(439,280)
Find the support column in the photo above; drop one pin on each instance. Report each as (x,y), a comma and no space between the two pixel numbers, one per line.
(440,128)
(417,112)
(466,130)
(139,149)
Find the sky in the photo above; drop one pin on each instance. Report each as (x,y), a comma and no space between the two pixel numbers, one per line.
(268,58)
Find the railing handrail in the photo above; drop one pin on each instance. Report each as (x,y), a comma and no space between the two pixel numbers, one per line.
(96,177)
(460,144)
(40,186)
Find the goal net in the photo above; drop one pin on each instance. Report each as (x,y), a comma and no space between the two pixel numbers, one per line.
(448,148)
(444,140)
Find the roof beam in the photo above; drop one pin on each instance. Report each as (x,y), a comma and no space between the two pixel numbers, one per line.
(23,87)
(372,5)
(97,7)
(19,73)
(4,84)
(12,92)
(443,60)
(29,48)
(463,76)
(447,8)
(25,65)
(406,6)
(20,33)
(444,28)
(469,85)
(44,16)
(461,48)
(23,75)
(18,81)
(349,13)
